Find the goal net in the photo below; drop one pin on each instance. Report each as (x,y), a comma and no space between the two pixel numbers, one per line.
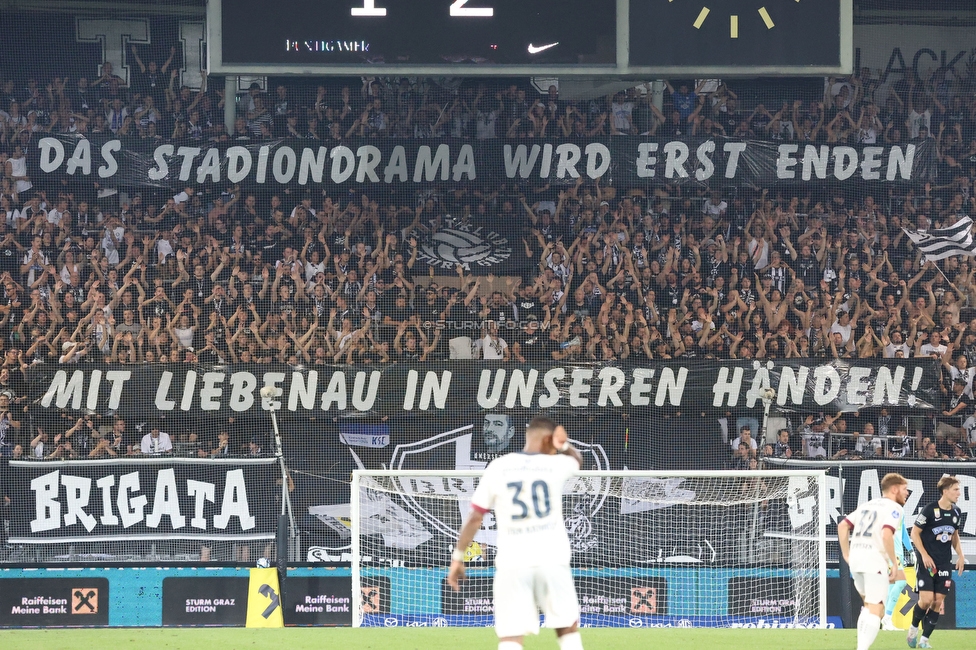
(691,549)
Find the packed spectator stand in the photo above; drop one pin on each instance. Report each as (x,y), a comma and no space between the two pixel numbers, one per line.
(323,274)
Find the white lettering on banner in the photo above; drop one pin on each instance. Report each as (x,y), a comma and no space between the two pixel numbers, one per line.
(369,158)
(312,164)
(235,502)
(49,504)
(845,162)
(108,517)
(815,161)
(785,162)
(242,387)
(186,167)
(201,491)
(63,390)
(760,382)
(163,404)
(457,162)
(47,508)
(130,509)
(726,391)
(858,386)
(675,157)
(597,159)
(344,390)
(707,167)
(284,163)
(871,163)
(835,504)
(111,165)
(80,158)
(734,149)
(427,166)
(869,487)
(569,156)
(645,161)
(166,501)
(801,509)
(580,387)
(801,506)
(161,170)
(238,164)
(209,167)
(94,379)
(77,490)
(433,389)
(827,387)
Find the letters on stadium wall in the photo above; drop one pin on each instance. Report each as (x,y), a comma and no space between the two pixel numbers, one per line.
(626,161)
(862,482)
(144,499)
(402,389)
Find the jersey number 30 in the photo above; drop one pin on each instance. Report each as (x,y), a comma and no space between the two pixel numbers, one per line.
(540,499)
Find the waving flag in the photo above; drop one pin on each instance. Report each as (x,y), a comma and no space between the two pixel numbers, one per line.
(946,242)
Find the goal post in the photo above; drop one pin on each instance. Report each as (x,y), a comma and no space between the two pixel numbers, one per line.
(674,549)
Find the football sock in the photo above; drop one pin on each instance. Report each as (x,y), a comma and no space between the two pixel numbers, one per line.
(868,626)
(571,641)
(929,623)
(917,615)
(509,645)
(894,593)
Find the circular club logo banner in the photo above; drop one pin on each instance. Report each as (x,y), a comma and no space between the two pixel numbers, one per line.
(469,246)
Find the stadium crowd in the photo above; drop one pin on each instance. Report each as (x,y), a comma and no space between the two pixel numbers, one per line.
(331,275)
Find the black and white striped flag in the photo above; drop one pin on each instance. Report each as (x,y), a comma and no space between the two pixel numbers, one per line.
(947,242)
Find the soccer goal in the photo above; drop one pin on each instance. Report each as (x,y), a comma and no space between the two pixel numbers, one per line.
(688,549)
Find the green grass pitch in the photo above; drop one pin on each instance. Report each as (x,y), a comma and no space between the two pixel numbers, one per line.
(453,639)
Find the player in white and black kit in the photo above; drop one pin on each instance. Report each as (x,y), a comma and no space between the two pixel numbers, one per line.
(532,554)
(867,542)
(935,534)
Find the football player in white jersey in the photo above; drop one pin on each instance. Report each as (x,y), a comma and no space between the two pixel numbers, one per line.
(532,554)
(867,542)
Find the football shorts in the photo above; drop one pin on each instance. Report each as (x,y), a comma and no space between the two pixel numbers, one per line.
(521,593)
(873,586)
(940,582)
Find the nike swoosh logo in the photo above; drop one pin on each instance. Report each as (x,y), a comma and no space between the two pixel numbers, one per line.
(535,50)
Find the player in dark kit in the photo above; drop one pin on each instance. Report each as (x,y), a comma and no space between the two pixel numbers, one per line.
(935,534)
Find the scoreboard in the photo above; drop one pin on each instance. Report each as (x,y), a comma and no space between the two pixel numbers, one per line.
(504,37)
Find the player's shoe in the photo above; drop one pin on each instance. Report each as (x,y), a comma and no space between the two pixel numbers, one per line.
(912,637)
(887,624)
(924,643)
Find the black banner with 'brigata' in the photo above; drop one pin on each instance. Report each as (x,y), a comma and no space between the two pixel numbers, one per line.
(146,499)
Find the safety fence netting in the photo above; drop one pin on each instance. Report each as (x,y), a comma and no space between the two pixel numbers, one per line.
(437,259)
